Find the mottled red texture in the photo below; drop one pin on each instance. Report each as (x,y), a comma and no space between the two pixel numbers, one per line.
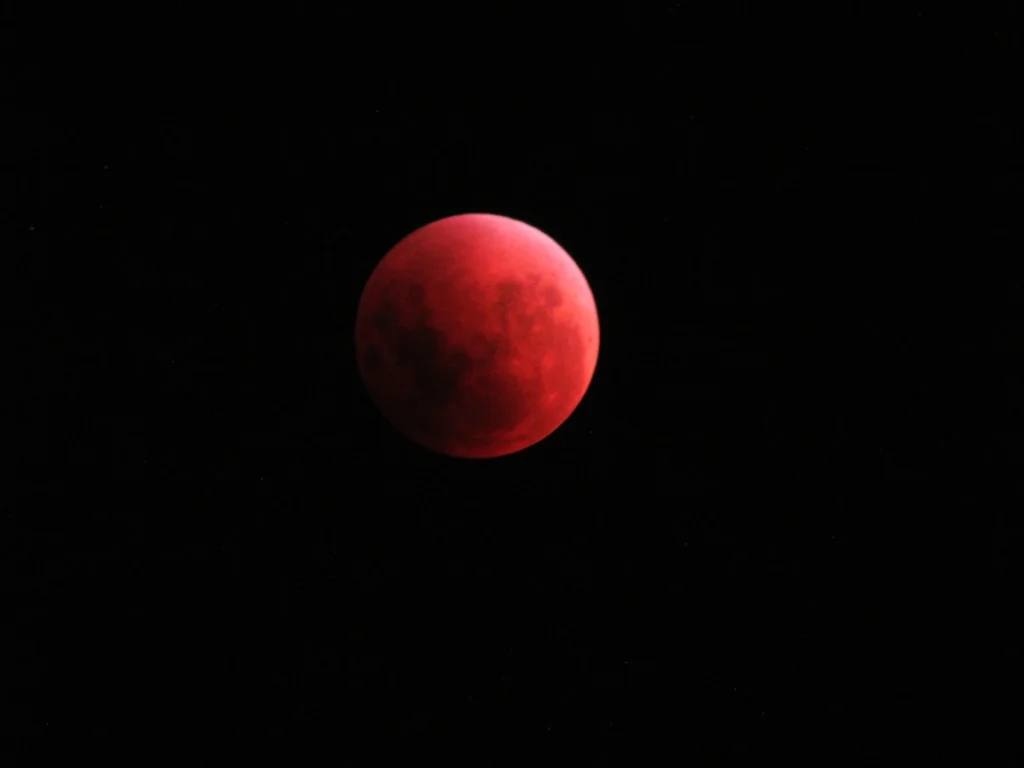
(477,335)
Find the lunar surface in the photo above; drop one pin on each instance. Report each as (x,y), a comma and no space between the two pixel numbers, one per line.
(477,336)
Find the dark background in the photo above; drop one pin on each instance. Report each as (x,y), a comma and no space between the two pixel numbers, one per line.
(783,524)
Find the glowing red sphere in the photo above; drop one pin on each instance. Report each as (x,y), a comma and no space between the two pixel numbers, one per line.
(477,335)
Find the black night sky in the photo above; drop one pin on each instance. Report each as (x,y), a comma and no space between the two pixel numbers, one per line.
(782,525)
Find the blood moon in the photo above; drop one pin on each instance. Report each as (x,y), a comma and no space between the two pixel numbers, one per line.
(477,335)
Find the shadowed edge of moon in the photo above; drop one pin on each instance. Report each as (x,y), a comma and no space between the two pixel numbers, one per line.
(466,392)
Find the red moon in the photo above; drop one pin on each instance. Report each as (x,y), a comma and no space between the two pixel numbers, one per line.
(477,336)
